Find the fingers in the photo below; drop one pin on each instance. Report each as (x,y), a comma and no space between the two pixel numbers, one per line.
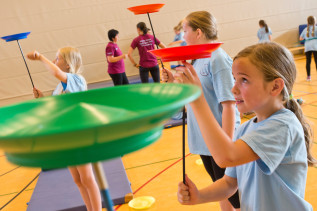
(189,182)
(167,76)
(190,68)
(35,92)
(30,55)
(183,75)
(34,55)
(183,193)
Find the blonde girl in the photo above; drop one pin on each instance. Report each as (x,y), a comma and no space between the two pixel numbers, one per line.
(217,81)
(66,68)
(178,39)
(309,34)
(268,160)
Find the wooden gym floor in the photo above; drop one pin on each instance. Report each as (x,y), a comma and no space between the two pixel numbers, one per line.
(157,170)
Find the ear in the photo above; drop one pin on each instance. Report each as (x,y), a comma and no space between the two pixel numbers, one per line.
(68,67)
(199,33)
(278,86)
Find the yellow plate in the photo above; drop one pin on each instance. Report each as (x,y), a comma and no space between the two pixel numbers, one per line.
(199,162)
(142,202)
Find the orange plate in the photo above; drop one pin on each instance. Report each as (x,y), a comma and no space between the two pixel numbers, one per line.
(188,52)
(148,8)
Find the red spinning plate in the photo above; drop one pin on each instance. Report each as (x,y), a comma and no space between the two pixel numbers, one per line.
(148,8)
(188,52)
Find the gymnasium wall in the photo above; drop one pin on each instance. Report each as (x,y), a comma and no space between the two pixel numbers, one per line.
(84,23)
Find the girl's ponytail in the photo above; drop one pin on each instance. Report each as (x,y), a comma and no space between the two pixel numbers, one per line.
(292,105)
(263,24)
(311,21)
(142,27)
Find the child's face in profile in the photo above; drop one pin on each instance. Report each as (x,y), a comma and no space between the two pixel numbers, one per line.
(250,90)
(190,36)
(60,62)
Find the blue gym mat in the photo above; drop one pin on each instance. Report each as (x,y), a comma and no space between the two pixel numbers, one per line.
(56,190)
(132,80)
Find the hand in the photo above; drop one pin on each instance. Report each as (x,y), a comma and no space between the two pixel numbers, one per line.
(167,76)
(34,55)
(37,93)
(187,74)
(124,56)
(137,65)
(188,194)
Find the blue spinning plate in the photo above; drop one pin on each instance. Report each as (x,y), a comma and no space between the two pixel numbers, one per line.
(13,37)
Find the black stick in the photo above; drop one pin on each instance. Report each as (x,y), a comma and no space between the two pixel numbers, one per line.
(25,63)
(184,113)
(183,108)
(154,36)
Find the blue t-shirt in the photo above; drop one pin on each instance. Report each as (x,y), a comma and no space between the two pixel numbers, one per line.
(215,74)
(180,36)
(310,44)
(263,35)
(75,83)
(277,180)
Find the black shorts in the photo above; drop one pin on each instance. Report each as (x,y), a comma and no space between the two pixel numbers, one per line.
(119,79)
(216,173)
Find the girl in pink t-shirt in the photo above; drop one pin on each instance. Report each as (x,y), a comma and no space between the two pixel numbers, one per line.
(148,63)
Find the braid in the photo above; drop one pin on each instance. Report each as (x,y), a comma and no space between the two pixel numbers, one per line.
(311,21)
(307,34)
(292,105)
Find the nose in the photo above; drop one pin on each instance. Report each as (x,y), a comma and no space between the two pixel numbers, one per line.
(235,89)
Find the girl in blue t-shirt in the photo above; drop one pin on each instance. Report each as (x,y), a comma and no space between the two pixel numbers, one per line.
(66,68)
(217,81)
(268,160)
(309,34)
(178,39)
(264,33)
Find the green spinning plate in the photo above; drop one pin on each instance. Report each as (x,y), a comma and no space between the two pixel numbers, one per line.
(100,124)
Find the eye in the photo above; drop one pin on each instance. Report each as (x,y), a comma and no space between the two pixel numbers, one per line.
(244,80)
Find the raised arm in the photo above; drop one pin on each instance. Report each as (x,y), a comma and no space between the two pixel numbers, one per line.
(50,66)
(228,117)
(225,152)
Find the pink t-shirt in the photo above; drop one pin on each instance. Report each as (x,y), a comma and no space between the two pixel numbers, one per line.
(113,49)
(144,43)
